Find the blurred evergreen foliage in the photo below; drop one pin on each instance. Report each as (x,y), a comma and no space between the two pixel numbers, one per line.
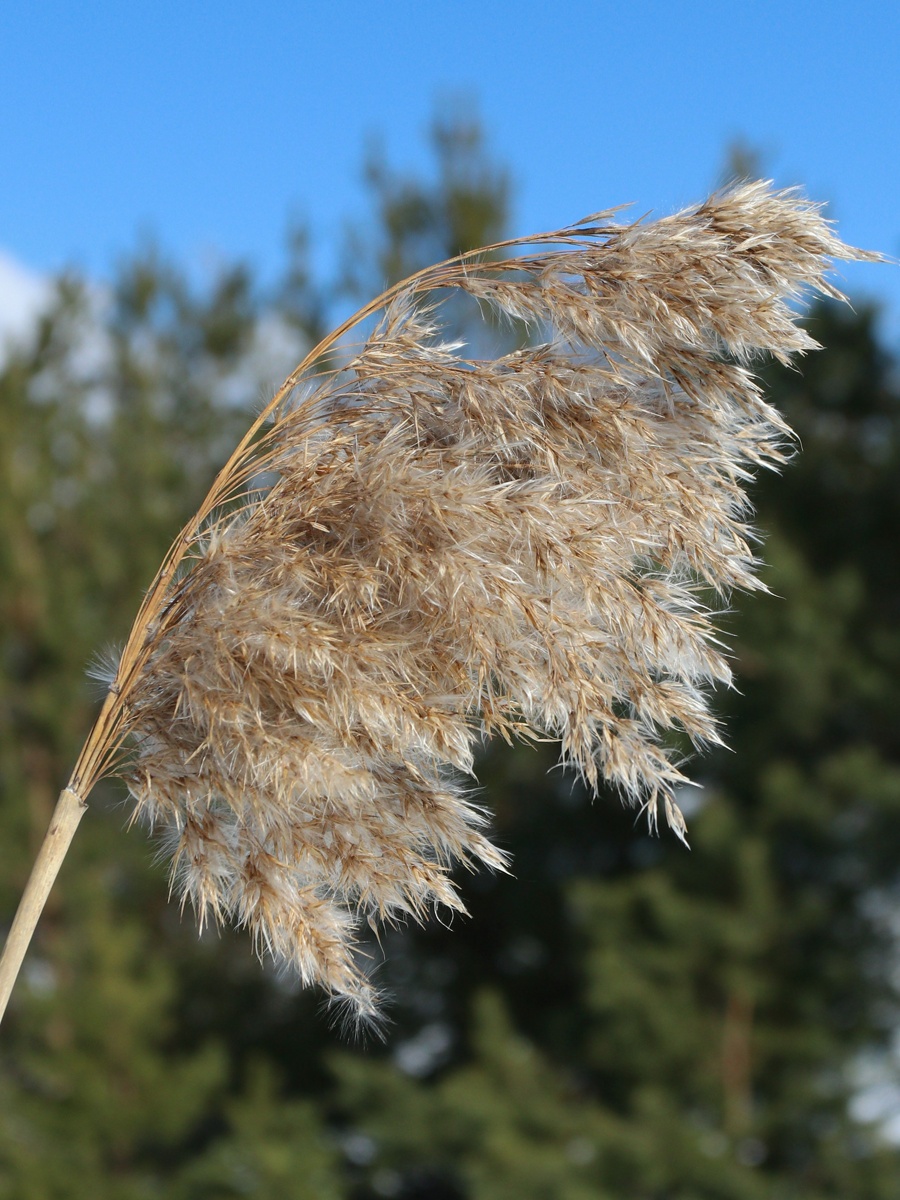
(621,1019)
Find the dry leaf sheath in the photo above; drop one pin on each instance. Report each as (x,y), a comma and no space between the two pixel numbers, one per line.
(414,549)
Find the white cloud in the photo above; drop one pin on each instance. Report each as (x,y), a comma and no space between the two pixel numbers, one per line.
(23,294)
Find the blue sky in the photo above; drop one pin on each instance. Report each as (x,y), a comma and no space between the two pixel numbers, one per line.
(208,124)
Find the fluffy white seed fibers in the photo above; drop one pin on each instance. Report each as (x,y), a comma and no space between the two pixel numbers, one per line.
(452,548)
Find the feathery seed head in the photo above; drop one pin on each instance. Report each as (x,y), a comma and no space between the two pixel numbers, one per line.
(447,547)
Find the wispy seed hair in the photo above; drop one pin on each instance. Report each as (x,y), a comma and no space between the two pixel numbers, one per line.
(421,549)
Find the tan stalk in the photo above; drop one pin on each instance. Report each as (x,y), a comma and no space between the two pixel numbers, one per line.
(70,808)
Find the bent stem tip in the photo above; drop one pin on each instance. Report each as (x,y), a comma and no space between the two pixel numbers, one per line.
(70,808)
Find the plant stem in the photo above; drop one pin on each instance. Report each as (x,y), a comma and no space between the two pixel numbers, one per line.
(70,808)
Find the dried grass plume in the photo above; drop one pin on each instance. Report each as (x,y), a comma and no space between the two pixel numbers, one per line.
(413,549)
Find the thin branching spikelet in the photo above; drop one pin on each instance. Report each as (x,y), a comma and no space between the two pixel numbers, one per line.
(421,548)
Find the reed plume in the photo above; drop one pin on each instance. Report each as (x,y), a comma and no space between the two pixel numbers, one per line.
(412,549)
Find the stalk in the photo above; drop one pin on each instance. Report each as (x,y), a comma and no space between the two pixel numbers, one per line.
(70,808)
